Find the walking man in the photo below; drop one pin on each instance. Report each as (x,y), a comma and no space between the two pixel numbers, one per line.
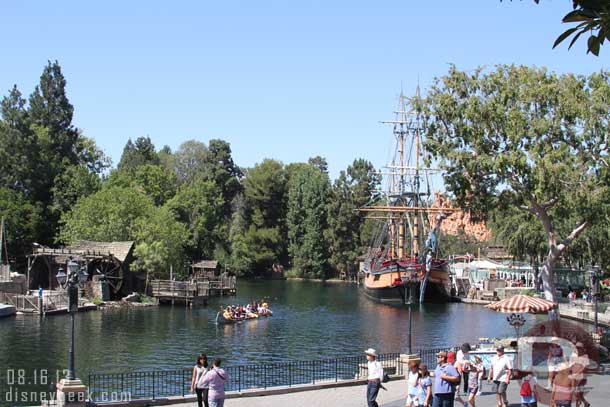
(375,375)
(446,378)
(501,372)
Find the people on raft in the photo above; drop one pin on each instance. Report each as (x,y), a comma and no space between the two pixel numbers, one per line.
(248,311)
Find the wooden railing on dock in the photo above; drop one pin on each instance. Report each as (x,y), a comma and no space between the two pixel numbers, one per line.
(51,301)
(182,291)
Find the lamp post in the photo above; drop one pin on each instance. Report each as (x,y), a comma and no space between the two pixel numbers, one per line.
(70,391)
(595,276)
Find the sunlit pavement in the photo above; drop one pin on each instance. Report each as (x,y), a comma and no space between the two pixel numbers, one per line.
(599,395)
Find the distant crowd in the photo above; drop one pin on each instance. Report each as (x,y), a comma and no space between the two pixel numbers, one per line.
(459,377)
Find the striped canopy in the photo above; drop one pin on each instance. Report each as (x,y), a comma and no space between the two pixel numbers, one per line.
(521,304)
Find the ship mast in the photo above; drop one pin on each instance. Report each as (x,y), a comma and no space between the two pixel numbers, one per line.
(415,243)
(404,208)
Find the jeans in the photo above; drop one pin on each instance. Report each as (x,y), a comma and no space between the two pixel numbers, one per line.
(372,388)
(217,403)
(202,397)
(443,400)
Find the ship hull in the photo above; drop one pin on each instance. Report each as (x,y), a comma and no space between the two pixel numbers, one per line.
(386,283)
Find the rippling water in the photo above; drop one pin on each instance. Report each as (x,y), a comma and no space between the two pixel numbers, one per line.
(311,320)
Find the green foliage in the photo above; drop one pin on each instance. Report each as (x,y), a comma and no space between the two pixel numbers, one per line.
(308,194)
(349,232)
(139,153)
(593,18)
(121,214)
(21,220)
(43,156)
(106,216)
(520,137)
(189,160)
(458,244)
(198,205)
(160,243)
(265,191)
(152,180)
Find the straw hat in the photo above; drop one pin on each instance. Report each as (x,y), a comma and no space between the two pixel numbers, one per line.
(371,352)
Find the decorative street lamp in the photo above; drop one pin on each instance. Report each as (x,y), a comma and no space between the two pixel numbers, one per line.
(71,390)
(595,276)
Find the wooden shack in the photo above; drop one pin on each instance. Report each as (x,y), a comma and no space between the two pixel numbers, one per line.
(204,269)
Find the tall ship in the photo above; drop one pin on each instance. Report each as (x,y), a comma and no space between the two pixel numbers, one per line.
(403,262)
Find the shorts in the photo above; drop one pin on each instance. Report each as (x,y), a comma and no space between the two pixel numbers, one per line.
(413,398)
(498,387)
(473,390)
(563,403)
(580,385)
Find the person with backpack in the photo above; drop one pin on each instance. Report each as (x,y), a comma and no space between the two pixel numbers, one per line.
(200,370)
(215,379)
(528,391)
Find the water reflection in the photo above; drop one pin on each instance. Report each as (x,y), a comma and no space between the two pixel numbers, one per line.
(310,320)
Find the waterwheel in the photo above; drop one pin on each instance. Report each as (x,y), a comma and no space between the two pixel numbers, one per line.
(109,267)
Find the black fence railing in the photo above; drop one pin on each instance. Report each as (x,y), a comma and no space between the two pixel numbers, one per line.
(428,356)
(170,383)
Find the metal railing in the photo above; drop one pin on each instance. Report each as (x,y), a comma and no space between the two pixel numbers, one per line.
(169,383)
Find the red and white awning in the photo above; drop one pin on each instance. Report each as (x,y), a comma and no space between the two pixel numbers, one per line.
(521,304)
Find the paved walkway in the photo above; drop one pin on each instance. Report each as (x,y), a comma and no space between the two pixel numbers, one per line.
(599,395)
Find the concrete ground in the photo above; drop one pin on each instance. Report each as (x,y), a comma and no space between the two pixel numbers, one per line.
(599,395)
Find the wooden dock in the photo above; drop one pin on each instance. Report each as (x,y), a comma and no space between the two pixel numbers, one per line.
(181,292)
(194,292)
(52,303)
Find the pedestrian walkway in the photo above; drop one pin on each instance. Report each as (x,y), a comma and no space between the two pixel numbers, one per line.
(394,397)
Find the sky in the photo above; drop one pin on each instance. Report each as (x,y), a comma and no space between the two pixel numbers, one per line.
(277,79)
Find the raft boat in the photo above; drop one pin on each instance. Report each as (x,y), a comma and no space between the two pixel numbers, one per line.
(221,319)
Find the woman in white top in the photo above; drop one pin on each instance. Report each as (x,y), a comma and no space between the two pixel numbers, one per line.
(413,388)
(199,370)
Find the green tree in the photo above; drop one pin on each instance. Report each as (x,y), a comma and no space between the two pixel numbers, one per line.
(22,221)
(19,150)
(265,190)
(154,181)
(593,18)
(121,214)
(525,137)
(241,260)
(190,160)
(141,152)
(319,162)
(349,231)
(265,193)
(198,205)
(308,194)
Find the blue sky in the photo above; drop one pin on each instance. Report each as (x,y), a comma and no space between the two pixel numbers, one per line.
(277,79)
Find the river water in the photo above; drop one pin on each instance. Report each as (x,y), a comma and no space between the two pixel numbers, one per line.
(311,320)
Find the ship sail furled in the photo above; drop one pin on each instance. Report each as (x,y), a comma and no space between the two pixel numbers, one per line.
(398,255)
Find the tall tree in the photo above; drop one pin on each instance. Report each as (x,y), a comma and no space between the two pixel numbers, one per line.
(265,193)
(308,194)
(198,205)
(348,230)
(190,160)
(141,152)
(528,137)
(129,215)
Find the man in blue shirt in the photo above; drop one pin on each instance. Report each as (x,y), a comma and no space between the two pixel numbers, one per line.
(446,378)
